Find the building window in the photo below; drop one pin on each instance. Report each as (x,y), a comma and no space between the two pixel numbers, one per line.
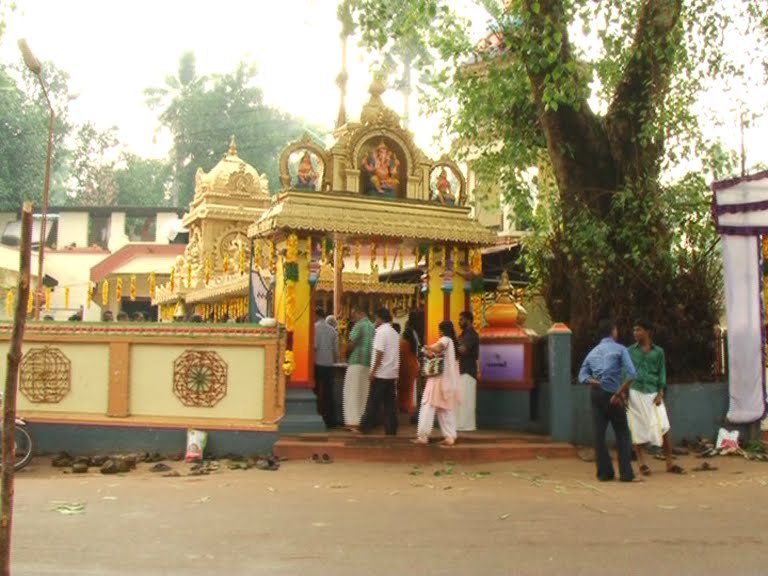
(140,228)
(98,231)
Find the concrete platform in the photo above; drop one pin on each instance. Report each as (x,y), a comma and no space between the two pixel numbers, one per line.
(483,446)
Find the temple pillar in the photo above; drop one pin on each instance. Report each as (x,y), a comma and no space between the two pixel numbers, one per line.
(435,305)
(458,298)
(302,349)
(338,269)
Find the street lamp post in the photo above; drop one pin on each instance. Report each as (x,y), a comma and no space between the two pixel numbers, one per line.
(34,66)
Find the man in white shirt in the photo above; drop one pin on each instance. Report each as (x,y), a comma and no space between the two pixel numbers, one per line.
(385,367)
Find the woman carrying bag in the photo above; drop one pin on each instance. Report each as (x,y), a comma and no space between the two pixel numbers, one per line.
(441,394)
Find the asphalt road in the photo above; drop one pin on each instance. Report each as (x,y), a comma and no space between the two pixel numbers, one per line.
(542,517)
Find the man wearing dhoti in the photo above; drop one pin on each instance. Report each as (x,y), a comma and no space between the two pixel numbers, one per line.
(356,380)
(648,420)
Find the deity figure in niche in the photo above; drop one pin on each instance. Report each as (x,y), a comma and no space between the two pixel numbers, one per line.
(382,167)
(443,190)
(306,173)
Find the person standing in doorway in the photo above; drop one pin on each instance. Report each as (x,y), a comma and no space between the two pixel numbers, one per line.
(356,383)
(385,366)
(603,369)
(326,354)
(469,352)
(648,420)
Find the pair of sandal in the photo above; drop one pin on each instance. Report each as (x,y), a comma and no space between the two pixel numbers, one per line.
(321,458)
(674,469)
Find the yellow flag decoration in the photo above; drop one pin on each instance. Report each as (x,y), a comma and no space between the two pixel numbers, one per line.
(119,289)
(88,295)
(47,299)
(105,293)
(66,295)
(133,288)
(9,302)
(30,302)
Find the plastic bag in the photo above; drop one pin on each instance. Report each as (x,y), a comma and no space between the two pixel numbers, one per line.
(727,441)
(196,441)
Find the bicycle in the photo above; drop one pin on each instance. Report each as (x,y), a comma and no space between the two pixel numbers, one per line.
(23,445)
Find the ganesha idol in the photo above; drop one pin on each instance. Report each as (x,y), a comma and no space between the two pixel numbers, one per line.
(382,168)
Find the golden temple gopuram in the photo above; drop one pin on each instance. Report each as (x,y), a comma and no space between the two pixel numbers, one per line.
(345,220)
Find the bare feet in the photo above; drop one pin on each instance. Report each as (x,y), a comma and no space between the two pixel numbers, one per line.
(420,440)
(448,442)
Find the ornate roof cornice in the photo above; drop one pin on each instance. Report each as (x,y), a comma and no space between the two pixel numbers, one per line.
(360,215)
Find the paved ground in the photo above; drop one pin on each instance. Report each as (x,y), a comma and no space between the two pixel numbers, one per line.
(542,517)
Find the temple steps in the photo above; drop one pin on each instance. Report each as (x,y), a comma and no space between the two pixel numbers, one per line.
(472,447)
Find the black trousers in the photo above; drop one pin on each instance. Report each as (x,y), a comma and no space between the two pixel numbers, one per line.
(604,413)
(382,395)
(326,399)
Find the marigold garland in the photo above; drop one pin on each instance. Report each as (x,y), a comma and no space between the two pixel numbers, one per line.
(241,260)
(257,260)
(30,303)
(119,290)
(290,305)
(357,254)
(105,292)
(132,288)
(47,299)
(152,285)
(477,310)
(292,248)
(272,257)
(89,295)
(288,363)
(400,257)
(373,254)
(9,302)
(385,259)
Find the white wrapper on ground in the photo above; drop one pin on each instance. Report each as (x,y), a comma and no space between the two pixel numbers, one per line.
(196,441)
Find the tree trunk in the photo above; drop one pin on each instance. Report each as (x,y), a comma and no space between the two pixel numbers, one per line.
(11,381)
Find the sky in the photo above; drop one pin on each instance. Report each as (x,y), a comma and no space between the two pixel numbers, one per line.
(114,49)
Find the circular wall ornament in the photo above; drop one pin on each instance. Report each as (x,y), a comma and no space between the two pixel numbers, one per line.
(199,378)
(45,375)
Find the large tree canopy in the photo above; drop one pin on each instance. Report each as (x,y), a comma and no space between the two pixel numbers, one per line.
(202,112)
(599,96)
(24,134)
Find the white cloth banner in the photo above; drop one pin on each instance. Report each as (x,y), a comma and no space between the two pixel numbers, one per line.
(743,304)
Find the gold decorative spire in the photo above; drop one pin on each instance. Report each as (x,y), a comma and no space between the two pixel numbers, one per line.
(341,80)
(504,290)
(232,147)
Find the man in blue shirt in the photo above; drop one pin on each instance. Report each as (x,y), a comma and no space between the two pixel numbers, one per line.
(603,369)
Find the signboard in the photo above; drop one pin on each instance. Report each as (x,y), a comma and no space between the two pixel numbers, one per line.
(502,362)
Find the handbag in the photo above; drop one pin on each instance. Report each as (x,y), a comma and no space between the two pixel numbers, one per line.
(433,366)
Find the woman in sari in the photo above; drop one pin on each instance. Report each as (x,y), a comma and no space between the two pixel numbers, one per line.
(441,393)
(409,367)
